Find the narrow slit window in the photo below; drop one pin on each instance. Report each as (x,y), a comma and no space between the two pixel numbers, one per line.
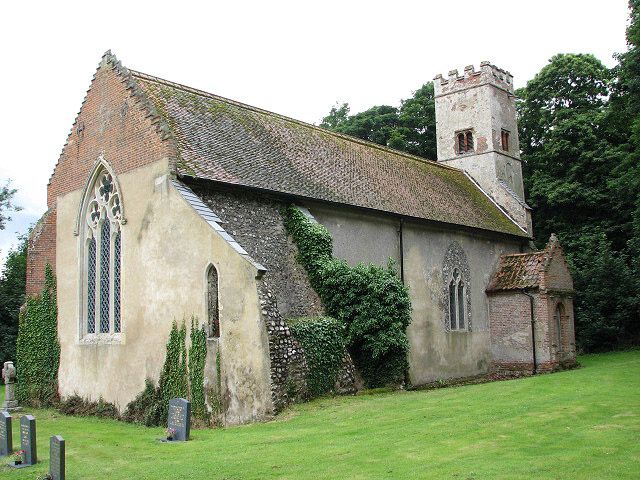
(116,283)
(213,310)
(461,306)
(464,142)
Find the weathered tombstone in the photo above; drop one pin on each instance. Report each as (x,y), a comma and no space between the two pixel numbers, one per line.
(6,439)
(10,403)
(56,457)
(28,439)
(179,421)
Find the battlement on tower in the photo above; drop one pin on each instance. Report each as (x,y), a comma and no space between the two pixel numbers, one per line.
(488,74)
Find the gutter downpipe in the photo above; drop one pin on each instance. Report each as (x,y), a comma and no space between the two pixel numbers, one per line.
(533,331)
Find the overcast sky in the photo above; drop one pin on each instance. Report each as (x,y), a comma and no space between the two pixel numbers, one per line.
(295,58)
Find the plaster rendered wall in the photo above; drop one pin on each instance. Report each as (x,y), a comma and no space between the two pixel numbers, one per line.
(166,249)
(435,353)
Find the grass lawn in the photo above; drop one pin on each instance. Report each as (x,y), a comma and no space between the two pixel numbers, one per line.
(578,424)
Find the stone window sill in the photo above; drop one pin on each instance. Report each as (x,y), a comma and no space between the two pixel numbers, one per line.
(103,339)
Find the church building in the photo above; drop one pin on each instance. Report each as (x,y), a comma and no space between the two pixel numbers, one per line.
(166,203)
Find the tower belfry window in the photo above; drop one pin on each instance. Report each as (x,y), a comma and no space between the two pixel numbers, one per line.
(464,142)
(504,138)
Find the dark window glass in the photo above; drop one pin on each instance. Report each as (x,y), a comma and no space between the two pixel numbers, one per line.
(91,286)
(105,270)
(116,283)
(212,302)
(461,305)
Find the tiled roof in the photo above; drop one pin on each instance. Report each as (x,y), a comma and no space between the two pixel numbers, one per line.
(518,271)
(226,141)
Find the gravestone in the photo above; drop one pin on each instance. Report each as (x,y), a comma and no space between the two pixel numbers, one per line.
(6,440)
(10,403)
(179,418)
(56,457)
(28,439)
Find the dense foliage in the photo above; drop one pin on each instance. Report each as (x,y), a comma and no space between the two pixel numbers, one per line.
(579,126)
(322,339)
(38,350)
(174,379)
(370,300)
(12,288)
(197,358)
(410,128)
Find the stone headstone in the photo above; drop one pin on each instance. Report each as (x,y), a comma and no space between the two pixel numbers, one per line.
(6,440)
(179,418)
(56,457)
(28,439)
(10,403)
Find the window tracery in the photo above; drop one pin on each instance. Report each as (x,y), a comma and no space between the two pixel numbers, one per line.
(102,255)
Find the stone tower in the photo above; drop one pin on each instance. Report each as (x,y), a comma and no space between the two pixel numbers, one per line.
(478,133)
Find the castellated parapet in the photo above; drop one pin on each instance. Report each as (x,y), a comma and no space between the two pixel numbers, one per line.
(488,74)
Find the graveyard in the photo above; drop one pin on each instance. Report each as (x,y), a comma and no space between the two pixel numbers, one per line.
(580,424)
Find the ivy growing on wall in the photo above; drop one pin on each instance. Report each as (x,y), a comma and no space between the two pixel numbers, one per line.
(180,374)
(174,379)
(37,349)
(323,341)
(197,358)
(370,300)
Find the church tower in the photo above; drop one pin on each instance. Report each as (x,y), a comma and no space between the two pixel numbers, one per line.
(477,132)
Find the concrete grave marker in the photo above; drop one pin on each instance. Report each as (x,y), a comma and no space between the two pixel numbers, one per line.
(56,457)
(6,440)
(28,439)
(179,421)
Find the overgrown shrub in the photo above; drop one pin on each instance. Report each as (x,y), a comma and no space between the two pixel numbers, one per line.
(197,358)
(323,341)
(37,349)
(174,377)
(146,408)
(76,405)
(370,300)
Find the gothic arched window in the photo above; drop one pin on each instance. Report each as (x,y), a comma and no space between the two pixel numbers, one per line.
(102,239)
(456,301)
(213,311)
(456,296)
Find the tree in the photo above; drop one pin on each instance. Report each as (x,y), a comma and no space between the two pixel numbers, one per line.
(575,175)
(6,204)
(12,287)
(410,128)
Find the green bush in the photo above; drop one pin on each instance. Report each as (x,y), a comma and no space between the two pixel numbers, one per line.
(146,408)
(197,358)
(370,300)
(37,349)
(323,341)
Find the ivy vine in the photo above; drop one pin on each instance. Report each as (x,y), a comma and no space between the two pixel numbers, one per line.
(322,339)
(370,300)
(197,358)
(38,349)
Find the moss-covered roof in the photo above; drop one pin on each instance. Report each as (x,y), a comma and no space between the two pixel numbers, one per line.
(226,141)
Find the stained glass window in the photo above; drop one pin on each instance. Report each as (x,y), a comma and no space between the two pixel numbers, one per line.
(116,283)
(91,286)
(105,270)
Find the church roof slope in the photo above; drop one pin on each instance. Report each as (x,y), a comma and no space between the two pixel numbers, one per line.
(226,141)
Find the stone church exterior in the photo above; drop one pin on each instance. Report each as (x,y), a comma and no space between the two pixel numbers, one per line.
(166,204)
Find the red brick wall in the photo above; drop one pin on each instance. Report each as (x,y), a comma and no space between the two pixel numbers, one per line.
(40,251)
(112,121)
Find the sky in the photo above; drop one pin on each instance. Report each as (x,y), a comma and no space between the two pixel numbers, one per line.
(296,58)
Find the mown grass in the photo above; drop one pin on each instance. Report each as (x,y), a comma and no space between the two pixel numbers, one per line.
(583,423)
